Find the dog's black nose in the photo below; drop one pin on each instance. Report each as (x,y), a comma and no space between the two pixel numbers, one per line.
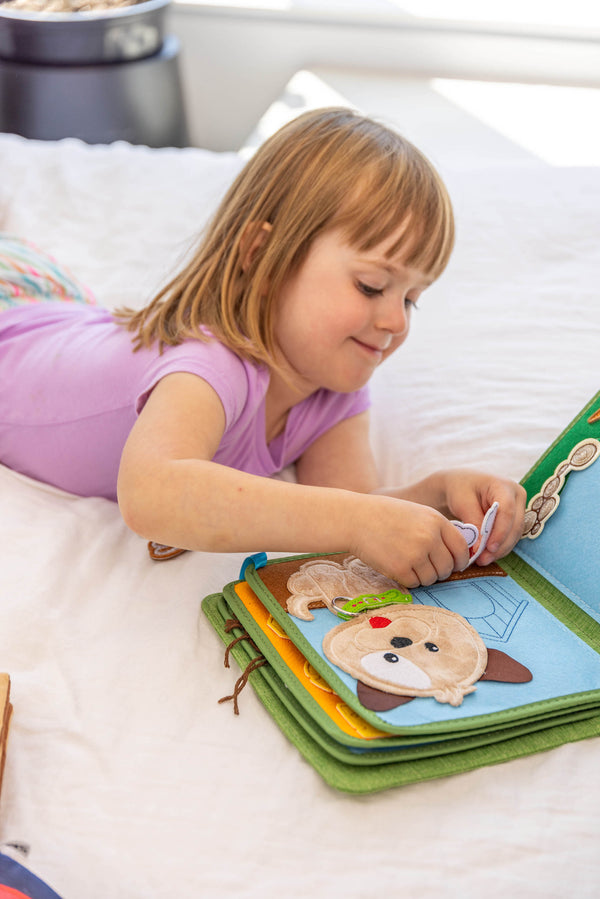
(401,642)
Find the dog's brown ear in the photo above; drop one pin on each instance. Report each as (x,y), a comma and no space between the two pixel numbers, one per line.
(501,667)
(379,700)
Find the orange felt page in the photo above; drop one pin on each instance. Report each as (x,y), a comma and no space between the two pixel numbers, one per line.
(340,713)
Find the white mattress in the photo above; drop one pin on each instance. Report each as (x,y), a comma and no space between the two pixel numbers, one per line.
(123,773)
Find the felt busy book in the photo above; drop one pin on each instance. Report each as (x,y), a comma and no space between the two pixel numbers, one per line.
(378,686)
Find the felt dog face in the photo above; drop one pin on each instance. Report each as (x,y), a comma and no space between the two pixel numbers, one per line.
(410,651)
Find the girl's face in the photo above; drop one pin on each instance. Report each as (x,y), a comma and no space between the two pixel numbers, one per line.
(343,312)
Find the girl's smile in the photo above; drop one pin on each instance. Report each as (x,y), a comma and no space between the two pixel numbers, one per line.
(343,312)
(375,350)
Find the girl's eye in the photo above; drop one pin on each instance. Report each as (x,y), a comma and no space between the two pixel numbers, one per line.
(411,304)
(368,290)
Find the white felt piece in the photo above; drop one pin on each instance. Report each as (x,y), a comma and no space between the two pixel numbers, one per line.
(469,531)
(486,529)
(123,773)
(472,534)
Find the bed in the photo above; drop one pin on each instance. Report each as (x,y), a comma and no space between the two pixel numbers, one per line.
(124,775)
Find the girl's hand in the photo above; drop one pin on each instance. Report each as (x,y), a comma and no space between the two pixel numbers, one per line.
(468,496)
(409,542)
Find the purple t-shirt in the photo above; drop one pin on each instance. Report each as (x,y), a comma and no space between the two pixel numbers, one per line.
(71,388)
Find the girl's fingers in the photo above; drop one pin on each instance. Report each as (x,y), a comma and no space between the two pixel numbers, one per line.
(457,546)
(508,529)
(439,565)
(426,573)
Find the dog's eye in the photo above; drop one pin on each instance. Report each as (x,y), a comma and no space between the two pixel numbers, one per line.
(390,657)
(401,642)
(432,647)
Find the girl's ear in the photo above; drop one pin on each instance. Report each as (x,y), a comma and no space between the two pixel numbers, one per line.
(253,239)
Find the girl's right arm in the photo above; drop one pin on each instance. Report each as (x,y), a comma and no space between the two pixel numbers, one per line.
(171,492)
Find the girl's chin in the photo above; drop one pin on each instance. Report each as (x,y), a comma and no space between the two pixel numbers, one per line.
(345,378)
(352,381)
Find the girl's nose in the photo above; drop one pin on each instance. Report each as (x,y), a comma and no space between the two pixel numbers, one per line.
(393,316)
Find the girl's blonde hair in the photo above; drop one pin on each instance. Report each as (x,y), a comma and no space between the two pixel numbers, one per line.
(331,168)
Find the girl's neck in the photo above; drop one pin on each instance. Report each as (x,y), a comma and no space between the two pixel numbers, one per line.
(281,397)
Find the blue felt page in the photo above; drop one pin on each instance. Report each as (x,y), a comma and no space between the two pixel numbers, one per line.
(567,552)
(508,619)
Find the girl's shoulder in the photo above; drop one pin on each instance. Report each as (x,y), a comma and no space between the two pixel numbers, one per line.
(241,385)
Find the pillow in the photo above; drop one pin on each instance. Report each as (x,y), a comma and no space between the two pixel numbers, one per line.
(28,275)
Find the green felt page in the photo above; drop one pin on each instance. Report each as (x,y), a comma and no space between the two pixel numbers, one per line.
(578,429)
(363,777)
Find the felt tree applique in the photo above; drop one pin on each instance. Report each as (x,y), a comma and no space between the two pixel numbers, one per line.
(545,503)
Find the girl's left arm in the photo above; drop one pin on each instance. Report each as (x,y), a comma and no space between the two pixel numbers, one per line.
(342,457)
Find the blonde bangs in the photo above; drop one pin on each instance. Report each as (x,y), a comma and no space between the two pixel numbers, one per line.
(410,199)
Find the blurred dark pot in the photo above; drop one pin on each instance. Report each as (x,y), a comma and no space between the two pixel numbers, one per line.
(112,35)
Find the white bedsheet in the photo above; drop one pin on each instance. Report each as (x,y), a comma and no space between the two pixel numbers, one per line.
(123,773)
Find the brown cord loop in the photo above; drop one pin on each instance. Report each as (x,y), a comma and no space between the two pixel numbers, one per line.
(242,681)
(230,625)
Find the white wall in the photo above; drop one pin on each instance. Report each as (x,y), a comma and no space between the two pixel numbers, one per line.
(234,63)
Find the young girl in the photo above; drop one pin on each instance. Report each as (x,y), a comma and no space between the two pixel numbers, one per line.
(256,356)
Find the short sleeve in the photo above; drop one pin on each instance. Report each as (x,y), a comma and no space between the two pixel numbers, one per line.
(210,360)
